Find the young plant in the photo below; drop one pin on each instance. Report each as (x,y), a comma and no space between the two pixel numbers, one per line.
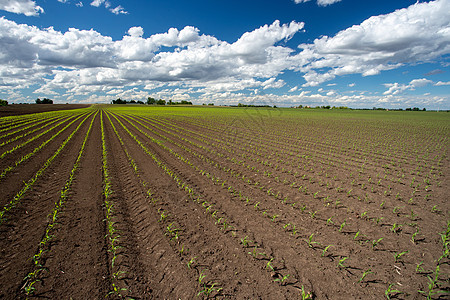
(190,262)
(365,273)
(310,241)
(341,263)
(389,292)
(325,250)
(306,295)
(376,242)
(398,255)
(282,280)
(342,225)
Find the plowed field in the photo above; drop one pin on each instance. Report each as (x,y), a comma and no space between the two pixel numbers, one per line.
(231,203)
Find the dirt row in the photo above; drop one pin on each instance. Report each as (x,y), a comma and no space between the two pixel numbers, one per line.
(192,223)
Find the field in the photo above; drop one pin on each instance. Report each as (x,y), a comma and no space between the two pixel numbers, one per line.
(237,203)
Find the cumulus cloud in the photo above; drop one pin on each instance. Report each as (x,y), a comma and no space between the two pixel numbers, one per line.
(117,10)
(97,3)
(396,88)
(85,57)
(319,2)
(441,83)
(419,33)
(26,7)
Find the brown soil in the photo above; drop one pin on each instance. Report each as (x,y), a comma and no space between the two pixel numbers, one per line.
(23,109)
(209,213)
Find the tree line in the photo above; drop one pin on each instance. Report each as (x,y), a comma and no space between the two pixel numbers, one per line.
(151,101)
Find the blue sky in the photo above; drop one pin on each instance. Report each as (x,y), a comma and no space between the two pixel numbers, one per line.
(384,53)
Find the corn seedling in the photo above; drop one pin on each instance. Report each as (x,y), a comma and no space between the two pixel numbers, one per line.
(398,255)
(325,250)
(389,292)
(191,261)
(245,241)
(342,225)
(310,241)
(209,290)
(376,242)
(341,263)
(365,273)
(269,265)
(306,295)
(282,280)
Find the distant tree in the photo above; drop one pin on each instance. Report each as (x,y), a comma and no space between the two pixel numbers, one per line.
(424,109)
(415,109)
(44,101)
(119,101)
(140,102)
(3,102)
(161,102)
(211,104)
(151,101)
(408,109)
(132,102)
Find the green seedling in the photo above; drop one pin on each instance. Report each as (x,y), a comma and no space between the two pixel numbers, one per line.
(396,228)
(376,242)
(342,225)
(329,221)
(356,235)
(391,292)
(419,268)
(189,264)
(306,295)
(201,276)
(341,263)
(209,290)
(269,265)
(245,241)
(364,275)
(398,255)
(310,242)
(325,250)
(413,237)
(283,279)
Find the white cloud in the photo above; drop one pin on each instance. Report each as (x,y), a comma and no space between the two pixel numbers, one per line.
(118,10)
(273,83)
(293,89)
(136,31)
(26,7)
(83,61)
(79,4)
(419,33)
(420,82)
(319,2)
(441,83)
(97,3)
(396,88)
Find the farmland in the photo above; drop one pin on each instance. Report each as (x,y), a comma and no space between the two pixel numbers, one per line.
(184,202)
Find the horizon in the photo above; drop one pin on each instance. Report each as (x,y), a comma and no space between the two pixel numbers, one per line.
(386,54)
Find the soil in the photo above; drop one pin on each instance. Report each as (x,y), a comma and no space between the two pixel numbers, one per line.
(23,109)
(234,213)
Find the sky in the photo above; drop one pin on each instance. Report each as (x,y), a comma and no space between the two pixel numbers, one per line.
(360,54)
